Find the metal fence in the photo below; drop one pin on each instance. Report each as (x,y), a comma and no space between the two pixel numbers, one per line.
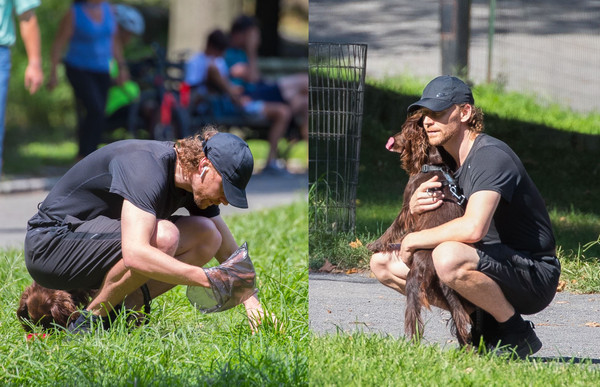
(336,91)
(549,48)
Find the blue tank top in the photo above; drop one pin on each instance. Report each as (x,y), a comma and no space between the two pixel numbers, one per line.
(90,47)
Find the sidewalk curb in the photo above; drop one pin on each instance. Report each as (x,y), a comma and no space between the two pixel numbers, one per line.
(28,184)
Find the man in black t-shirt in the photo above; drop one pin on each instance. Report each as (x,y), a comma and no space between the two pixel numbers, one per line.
(108,224)
(501,254)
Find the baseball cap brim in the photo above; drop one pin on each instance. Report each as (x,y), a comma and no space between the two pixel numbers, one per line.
(234,195)
(433,104)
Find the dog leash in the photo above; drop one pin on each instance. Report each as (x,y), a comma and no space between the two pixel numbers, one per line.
(454,189)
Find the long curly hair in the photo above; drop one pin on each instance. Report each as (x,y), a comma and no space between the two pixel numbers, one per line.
(189,150)
(414,148)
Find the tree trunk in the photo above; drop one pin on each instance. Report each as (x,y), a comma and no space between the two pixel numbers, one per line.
(455,18)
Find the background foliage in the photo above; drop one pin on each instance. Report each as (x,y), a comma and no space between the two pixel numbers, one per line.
(50,115)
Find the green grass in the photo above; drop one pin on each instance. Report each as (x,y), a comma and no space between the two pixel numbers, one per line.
(509,105)
(555,144)
(371,360)
(180,346)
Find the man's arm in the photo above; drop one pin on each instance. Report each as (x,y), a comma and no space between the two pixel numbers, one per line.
(64,33)
(137,229)
(120,59)
(254,310)
(469,228)
(30,33)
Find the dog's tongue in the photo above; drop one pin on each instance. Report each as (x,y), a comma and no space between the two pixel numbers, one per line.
(390,143)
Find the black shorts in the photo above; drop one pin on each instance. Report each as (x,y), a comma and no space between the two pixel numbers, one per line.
(528,283)
(73,254)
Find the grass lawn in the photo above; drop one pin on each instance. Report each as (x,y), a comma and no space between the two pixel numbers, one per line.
(559,149)
(180,346)
(370,360)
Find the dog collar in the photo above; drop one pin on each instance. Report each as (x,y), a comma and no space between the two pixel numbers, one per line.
(454,189)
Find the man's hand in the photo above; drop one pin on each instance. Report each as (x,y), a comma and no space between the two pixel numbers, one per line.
(30,33)
(34,77)
(257,316)
(427,197)
(406,249)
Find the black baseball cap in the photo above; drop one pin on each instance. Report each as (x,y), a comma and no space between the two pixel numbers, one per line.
(232,158)
(443,92)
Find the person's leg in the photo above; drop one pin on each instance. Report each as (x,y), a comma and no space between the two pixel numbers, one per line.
(292,86)
(5,64)
(90,91)
(193,240)
(458,266)
(279,115)
(389,269)
(294,90)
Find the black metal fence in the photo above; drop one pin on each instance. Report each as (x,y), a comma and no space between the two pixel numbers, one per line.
(336,92)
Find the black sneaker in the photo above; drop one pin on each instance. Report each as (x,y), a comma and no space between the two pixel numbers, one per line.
(85,323)
(522,343)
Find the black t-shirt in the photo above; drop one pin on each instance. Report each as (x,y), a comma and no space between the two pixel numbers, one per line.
(141,171)
(521,220)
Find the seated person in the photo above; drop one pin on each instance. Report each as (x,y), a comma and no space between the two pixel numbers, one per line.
(242,59)
(207,73)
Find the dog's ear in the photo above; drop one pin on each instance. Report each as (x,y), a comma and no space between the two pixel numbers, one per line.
(81,297)
(23,310)
(62,309)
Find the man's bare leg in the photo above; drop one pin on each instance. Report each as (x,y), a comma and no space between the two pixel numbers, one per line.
(456,266)
(391,271)
(279,115)
(193,240)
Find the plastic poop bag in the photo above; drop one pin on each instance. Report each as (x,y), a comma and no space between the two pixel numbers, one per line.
(231,283)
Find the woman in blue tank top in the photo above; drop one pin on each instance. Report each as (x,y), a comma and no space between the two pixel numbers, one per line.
(89,29)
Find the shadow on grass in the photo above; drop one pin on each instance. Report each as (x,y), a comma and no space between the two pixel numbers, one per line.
(27,152)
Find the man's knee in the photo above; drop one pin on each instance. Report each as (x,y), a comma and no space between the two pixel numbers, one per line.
(167,237)
(200,236)
(390,271)
(209,237)
(451,261)
(380,266)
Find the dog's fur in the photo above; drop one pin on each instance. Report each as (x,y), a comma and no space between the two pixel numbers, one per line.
(422,283)
(51,308)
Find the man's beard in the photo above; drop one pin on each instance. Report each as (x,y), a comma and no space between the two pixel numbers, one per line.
(198,200)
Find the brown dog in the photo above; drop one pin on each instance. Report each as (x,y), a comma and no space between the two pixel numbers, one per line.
(49,308)
(422,283)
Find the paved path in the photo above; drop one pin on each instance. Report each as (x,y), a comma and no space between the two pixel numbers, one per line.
(569,328)
(16,208)
(403,37)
